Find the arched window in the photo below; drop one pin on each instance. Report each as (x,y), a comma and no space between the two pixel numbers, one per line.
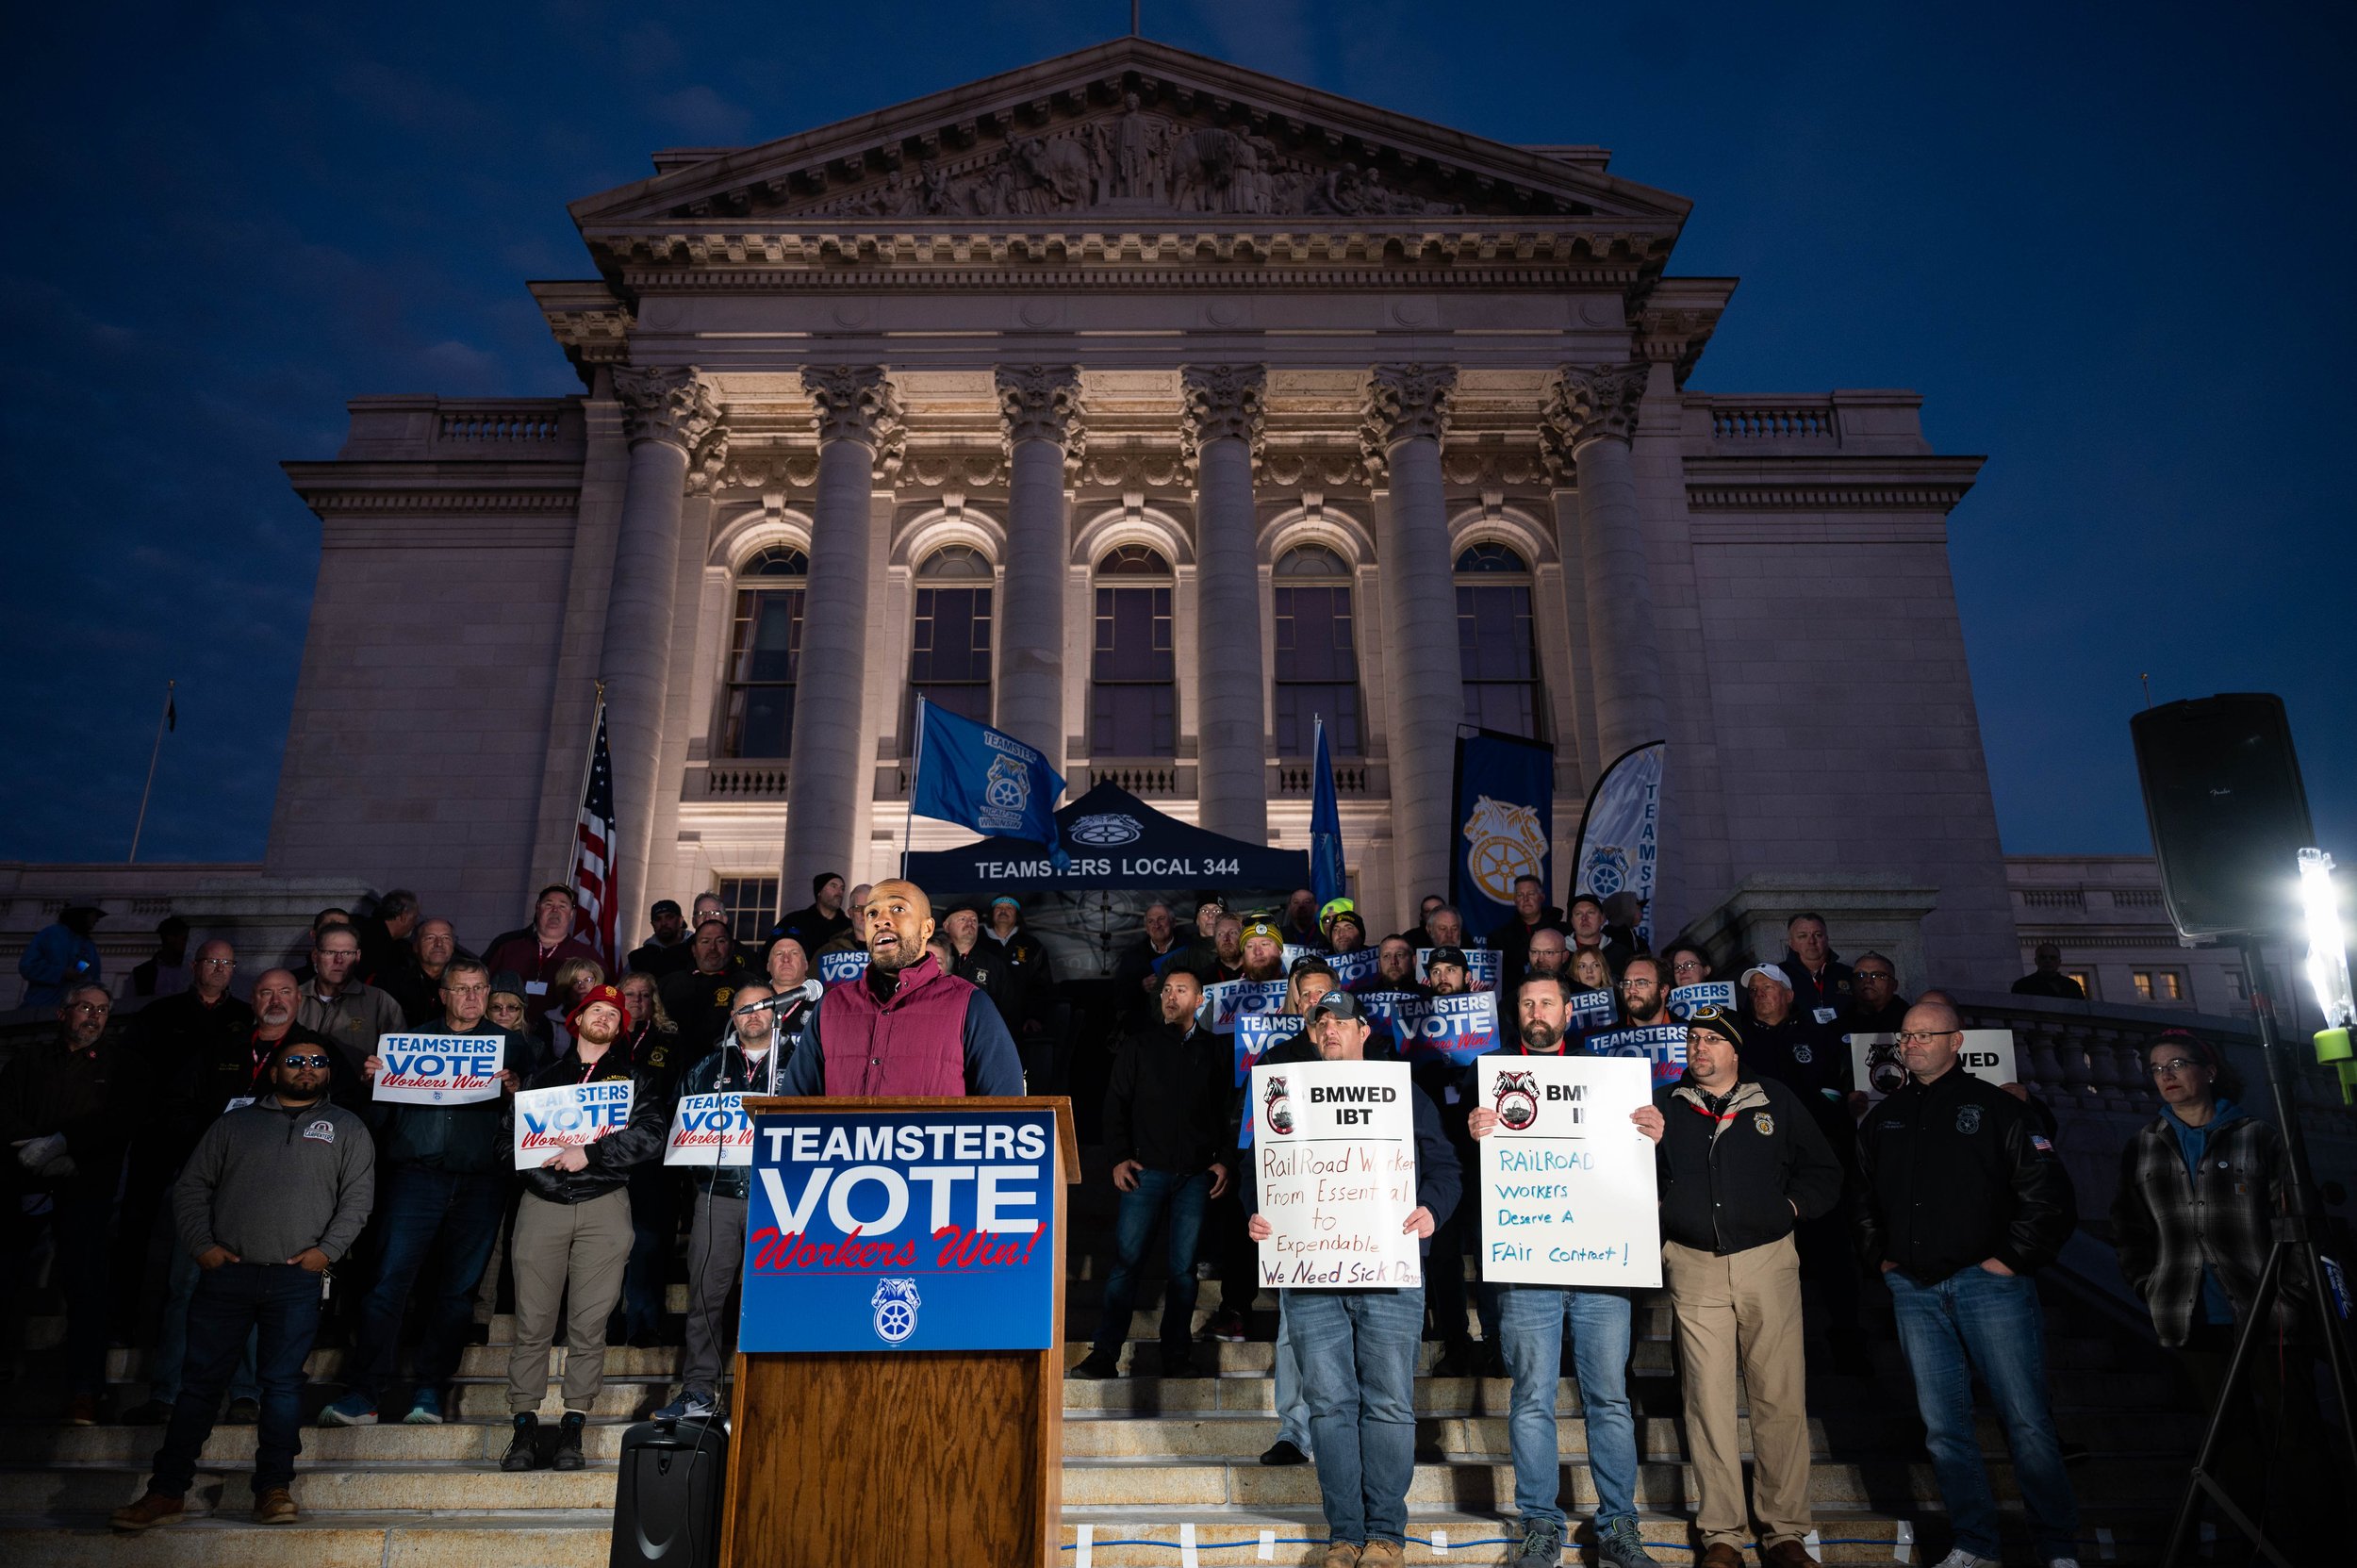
(1317,657)
(1497,654)
(764,651)
(1133,695)
(950,645)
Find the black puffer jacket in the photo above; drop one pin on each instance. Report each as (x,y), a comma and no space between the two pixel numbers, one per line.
(611,1157)
(1167,1105)
(1731,1180)
(1953,1172)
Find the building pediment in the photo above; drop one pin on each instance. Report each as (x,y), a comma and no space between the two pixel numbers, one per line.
(1124,133)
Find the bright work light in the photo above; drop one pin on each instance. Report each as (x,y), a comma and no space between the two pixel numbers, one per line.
(2328,946)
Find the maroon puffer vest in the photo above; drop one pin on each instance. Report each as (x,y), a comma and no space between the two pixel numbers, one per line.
(912,1044)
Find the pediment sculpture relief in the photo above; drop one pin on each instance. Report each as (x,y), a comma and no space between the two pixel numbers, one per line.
(1133,159)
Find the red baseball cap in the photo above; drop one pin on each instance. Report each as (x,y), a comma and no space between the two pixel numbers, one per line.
(609,994)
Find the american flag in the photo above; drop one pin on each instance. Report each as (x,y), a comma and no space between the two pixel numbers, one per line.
(593,876)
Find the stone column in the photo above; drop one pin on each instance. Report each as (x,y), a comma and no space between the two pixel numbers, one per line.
(668,415)
(1405,414)
(832,770)
(1590,416)
(1221,436)
(1039,406)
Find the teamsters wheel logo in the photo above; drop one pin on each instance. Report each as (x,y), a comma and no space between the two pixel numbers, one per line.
(1105,832)
(1506,843)
(1517,1100)
(895,1303)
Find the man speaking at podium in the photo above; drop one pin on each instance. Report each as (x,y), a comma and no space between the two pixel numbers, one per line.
(905,1028)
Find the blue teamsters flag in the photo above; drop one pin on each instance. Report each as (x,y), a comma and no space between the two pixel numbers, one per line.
(1505,825)
(1327,878)
(984,778)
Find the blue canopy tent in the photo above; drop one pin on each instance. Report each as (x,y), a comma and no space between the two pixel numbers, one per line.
(1117,843)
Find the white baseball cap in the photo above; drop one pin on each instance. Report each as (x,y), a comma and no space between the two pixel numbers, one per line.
(1771,971)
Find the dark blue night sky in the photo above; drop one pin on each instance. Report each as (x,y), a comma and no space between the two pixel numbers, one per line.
(2110,251)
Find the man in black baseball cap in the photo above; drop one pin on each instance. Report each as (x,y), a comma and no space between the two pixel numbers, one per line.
(667,952)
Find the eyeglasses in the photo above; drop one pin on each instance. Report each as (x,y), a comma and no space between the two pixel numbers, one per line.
(1925,1036)
(2171,1067)
(1876,974)
(303,1061)
(1638,983)
(216,962)
(1686,966)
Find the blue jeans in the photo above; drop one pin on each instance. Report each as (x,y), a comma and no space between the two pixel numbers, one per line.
(281,1303)
(1358,1354)
(1975,1321)
(425,1214)
(171,1357)
(1141,1206)
(1293,1410)
(1532,1320)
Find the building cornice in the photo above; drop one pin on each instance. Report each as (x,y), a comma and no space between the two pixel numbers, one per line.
(1819,483)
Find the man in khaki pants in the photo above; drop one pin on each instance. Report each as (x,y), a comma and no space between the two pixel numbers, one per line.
(1740,1163)
(572,1228)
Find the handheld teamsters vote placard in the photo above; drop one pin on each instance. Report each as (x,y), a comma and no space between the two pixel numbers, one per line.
(571,1115)
(439,1069)
(1334,1170)
(710,1130)
(1567,1184)
(900,1230)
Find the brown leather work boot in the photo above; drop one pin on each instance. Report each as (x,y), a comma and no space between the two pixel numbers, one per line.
(275,1505)
(1788,1554)
(1383,1554)
(1720,1555)
(1343,1554)
(154,1508)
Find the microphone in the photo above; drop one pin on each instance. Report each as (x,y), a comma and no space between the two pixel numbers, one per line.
(801,995)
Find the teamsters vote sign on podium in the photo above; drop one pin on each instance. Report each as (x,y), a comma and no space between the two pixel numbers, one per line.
(900,1230)
(1334,1170)
(1567,1184)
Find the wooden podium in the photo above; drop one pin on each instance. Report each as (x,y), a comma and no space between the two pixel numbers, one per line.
(904,1459)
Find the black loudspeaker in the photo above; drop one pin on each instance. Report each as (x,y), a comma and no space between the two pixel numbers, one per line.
(2229,814)
(666,1499)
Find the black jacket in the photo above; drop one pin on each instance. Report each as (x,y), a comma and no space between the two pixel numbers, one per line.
(1810,992)
(699,1003)
(2038,982)
(652,957)
(610,1158)
(1813,1061)
(813,928)
(1952,1172)
(1859,1020)
(195,1058)
(986,967)
(1166,1106)
(1512,941)
(1731,1180)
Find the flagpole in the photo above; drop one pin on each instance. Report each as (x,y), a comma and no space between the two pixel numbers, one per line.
(916,763)
(572,856)
(139,826)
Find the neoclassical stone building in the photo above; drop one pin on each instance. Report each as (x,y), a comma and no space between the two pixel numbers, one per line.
(1147,406)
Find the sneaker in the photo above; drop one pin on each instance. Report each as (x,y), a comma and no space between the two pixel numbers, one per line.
(154,1508)
(692,1405)
(82,1411)
(275,1505)
(1962,1559)
(567,1455)
(1227,1323)
(1283,1452)
(1619,1545)
(1541,1547)
(353,1410)
(154,1413)
(247,1411)
(521,1448)
(425,1410)
(1096,1366)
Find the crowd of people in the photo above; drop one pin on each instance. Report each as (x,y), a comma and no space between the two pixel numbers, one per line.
(226,1161)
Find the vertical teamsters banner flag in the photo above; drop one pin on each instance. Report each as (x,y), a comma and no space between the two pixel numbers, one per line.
(1327,880)
(1505,826)
(984,778)
(1619,838)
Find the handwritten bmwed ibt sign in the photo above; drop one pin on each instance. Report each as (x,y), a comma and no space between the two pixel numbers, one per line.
(1567,1181)
(1334,1171)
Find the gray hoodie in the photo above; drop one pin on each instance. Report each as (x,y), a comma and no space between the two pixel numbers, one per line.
(269,1179)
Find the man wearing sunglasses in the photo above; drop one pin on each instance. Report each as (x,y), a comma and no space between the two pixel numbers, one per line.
(1961,1199)
(275,1193)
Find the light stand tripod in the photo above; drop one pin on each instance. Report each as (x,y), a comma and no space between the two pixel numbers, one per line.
(2295,1248)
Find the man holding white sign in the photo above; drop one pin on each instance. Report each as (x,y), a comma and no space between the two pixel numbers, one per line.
(441,1189)
(1350,1160)
(711,1136)
(1532,1318)
(572,1229)
(1741,1165)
